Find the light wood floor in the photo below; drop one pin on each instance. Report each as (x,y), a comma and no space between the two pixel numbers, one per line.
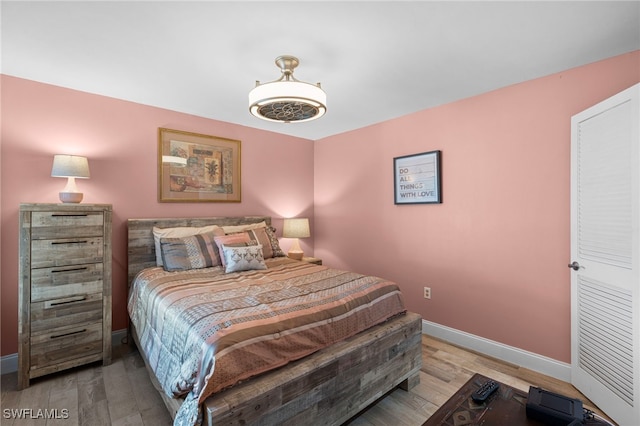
(122,394)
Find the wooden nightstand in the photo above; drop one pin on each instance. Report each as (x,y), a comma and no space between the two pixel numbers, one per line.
(315,260)
(64,308)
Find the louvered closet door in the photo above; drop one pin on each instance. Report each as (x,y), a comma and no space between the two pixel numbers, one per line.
(605,233)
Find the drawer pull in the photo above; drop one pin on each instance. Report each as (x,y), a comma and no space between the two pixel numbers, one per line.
(69,242)
(54,303)
(69,215)
(68,334)
(69,270)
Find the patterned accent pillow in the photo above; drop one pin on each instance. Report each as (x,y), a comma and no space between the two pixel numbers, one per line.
(243,258)
(193,252)
(230,239)
(266,238)
(260,236)
(275,244)
(180,232)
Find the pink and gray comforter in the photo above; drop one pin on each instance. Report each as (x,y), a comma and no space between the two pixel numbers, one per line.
(203,330)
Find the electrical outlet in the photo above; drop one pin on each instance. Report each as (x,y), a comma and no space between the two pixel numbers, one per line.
(427,292)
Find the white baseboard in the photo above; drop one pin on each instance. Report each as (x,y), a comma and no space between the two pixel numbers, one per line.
(510,354)
(118,336)
(9,363)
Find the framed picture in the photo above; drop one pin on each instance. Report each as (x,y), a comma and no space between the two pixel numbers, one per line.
(197,168)
(417,178)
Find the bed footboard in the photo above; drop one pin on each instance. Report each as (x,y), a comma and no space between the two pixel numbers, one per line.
(330,386)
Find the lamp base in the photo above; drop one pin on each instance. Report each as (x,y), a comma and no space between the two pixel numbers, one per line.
(297,255)
(70,197)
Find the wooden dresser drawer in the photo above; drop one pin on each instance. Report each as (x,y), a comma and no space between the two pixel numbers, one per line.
(63,344)
(51,314)
(48,225)
(69,251)
(65,281)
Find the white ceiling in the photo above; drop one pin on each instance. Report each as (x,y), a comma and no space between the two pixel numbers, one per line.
(376,60)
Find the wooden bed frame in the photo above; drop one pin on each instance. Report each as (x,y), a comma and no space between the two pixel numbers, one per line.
(330,386)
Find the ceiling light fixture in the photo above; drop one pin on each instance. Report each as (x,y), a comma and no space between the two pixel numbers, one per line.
(287,100)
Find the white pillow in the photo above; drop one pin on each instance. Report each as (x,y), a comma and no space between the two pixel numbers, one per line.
(233,229)
(180,232)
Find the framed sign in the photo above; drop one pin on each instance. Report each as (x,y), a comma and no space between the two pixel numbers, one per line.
(417,178)
(194,167)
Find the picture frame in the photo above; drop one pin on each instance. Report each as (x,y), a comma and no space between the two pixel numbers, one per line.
(194,167)
(417,178)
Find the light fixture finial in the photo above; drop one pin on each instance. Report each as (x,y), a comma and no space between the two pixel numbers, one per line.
(287,64)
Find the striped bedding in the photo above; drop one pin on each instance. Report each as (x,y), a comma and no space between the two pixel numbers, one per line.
(203,330)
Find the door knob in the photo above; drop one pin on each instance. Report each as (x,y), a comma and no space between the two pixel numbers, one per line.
(575,265)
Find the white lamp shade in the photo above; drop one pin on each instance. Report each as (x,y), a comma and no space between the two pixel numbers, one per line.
(70,166)
(296,228)
(288,91)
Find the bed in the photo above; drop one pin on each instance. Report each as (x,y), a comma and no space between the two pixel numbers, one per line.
(329,385)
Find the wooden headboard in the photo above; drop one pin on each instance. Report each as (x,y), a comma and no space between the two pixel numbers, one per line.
(140,247)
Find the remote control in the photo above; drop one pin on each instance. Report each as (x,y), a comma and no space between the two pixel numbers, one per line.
(485,391)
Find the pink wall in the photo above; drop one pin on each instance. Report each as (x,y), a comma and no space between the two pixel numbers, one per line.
(495,253)
(120,140)
(500,240)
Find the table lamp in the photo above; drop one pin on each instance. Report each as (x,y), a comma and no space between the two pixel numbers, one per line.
(296,228)
(71,167)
